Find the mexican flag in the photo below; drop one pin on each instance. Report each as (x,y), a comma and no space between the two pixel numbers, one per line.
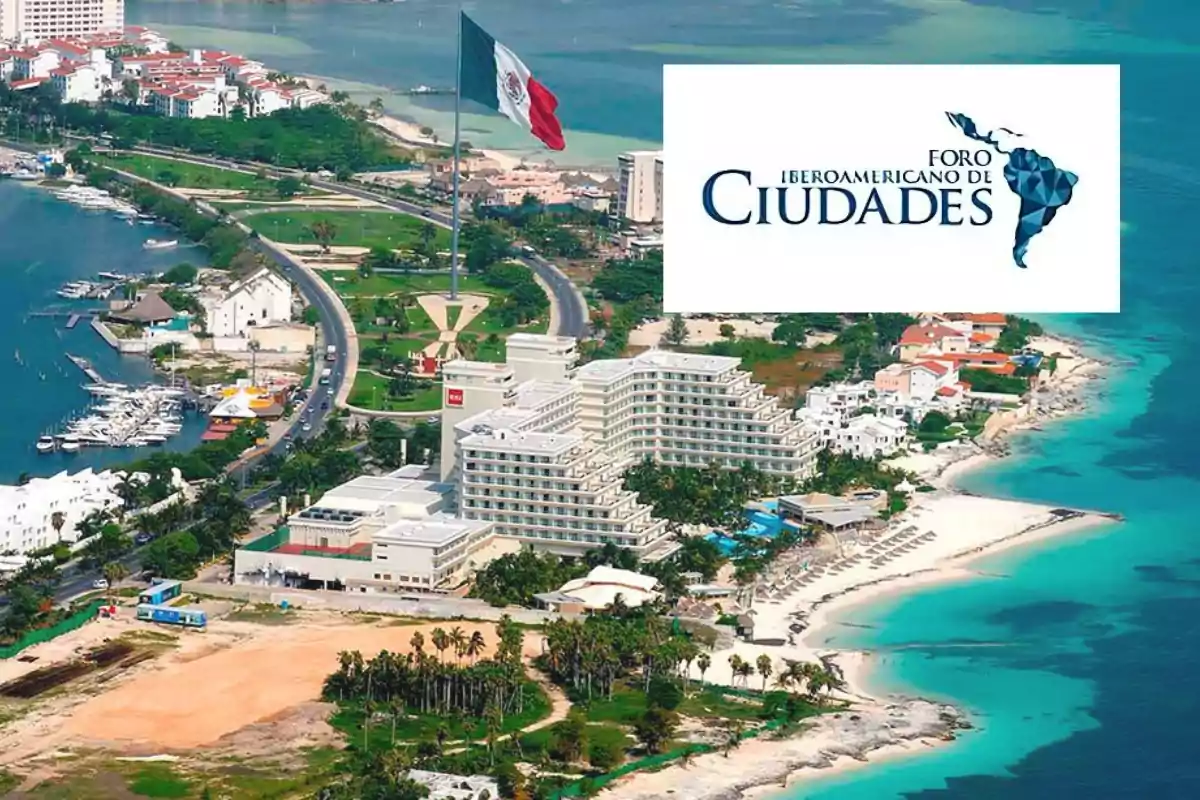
(491,74)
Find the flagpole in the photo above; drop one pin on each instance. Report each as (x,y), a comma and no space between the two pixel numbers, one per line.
(455,217)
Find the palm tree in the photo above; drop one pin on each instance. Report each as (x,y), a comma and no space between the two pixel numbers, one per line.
(475,646)
(703,662)
(764,669)
(114,573)
(458,640)
(735,667)
(441,641)
(57,520)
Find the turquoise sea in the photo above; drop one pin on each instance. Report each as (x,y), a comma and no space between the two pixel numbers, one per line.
(1077,666)
(45,242)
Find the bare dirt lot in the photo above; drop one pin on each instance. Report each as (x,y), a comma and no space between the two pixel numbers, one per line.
(253,683)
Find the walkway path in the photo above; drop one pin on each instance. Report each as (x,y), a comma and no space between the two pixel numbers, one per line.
(437,307)
(560,706)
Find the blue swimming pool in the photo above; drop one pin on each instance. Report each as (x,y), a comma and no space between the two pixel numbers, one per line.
(760,524)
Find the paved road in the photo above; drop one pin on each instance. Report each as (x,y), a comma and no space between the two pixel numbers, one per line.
(572,314)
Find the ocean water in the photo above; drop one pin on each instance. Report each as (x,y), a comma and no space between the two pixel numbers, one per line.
(1078,665)
(44,243)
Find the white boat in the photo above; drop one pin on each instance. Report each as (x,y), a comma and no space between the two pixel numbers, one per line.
(70,447)
(157,244)
(24,175)
(45,444)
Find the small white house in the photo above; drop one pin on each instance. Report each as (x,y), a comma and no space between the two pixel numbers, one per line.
(869,436)
(262,299)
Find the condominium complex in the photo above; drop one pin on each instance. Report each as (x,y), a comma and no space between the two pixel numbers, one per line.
(45,511)
(640,186)
(539,447)
(49,19)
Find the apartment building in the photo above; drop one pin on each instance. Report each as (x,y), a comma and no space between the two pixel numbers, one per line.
(639,186)
(48,19)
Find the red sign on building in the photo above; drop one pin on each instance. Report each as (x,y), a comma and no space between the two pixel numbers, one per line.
(454,397)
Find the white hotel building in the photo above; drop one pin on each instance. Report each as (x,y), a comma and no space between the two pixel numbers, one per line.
(539,446)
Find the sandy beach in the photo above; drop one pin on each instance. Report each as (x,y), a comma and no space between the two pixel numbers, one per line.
(935,541)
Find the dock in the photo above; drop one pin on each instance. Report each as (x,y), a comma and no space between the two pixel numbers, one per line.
(87,368)
(73,321)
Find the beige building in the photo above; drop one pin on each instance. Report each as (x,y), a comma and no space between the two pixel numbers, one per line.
(50,19)
(639,186)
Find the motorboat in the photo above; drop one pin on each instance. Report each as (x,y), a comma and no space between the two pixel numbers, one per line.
(45,444)
(69,447)
(159,244)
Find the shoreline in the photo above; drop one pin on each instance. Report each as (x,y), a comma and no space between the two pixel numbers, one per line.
(881,727)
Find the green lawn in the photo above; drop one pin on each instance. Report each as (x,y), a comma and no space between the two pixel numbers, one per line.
(350,284)
(351,228)
(190,176)
(370,392)
(488,321)
(452,315)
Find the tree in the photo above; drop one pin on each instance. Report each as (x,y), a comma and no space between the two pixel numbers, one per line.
(324,232)
(677,331)
(703,662)
(605,756)
(655,728)
(57,520)
(289,187)
(570,738)
(181,274)
(727,330)
(176,555)
(764,669)
(934,422)
(115,572)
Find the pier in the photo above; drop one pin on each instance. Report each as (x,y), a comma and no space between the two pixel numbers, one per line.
(73,321)
(87,368)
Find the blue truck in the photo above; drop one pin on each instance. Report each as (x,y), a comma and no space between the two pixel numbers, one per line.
(160,592)
(187,616)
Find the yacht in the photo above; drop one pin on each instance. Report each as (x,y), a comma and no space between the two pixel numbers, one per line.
(70,447)
(45,444)
(158,244)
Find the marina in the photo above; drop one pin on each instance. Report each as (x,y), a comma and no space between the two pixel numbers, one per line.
(120,416)
(90,198)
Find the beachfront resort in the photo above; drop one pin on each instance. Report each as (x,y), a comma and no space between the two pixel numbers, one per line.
(534,452)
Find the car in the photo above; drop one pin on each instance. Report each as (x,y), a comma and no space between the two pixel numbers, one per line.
(432,420)
(100,583)
(324,405)
(142,538)
(427,213)
(307,427)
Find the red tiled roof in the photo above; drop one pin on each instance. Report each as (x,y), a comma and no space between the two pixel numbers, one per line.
(934,367)
(988,319)
(947,391)
(24,83)
(214,436)
(61,44)
(927,334)
(979,337)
